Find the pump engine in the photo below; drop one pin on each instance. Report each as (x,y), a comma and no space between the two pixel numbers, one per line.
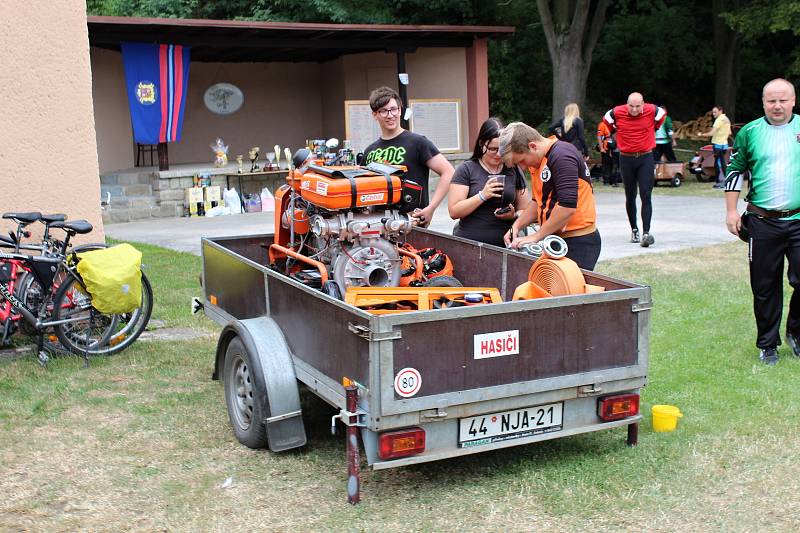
(345,220)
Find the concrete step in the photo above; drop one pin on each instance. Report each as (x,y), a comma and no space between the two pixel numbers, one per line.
(138,189)
(127,178)
(128,214)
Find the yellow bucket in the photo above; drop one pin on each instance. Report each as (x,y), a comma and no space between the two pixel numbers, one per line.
(665,417)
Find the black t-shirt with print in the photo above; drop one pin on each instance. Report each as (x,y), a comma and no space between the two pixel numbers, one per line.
(481,225)
(409,149)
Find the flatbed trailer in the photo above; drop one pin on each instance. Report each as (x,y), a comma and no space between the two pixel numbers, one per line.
(461,380)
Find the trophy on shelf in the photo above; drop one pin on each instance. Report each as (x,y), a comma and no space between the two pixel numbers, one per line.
(288,154)
(277,149)
(239,160)
(271,161)
(254,158)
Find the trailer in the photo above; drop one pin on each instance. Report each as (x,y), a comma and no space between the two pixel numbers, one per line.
(670,171)
(424,385)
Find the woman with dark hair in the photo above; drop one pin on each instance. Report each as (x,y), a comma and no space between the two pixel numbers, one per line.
(484,194)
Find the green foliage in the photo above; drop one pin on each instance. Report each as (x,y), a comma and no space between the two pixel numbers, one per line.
(664,53)
(663,49)
(762,18)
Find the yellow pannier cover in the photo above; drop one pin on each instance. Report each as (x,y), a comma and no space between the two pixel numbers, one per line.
(113,277)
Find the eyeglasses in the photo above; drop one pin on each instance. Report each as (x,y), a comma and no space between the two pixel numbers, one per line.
(393,111)
(491,150)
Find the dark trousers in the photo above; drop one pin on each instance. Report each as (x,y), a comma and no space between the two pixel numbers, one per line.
(771,240)
(638,172)
(664,149)
(608,167)
(584,250)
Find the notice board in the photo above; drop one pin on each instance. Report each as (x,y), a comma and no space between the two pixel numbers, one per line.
(437,119)
(359,126)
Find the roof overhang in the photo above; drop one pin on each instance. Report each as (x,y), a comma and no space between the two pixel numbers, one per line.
(247,41)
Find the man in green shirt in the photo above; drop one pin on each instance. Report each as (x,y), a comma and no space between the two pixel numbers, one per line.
(769,149)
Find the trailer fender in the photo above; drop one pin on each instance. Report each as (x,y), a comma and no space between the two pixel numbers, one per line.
(275,379)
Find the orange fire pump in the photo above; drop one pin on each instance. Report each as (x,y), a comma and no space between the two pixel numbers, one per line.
(343,221)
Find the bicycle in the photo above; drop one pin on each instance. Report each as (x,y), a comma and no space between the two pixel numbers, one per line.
(52,295)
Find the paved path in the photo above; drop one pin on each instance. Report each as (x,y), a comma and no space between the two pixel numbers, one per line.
(678,222)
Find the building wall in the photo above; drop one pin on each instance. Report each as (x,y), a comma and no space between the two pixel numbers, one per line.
(48,136)
(284,103)
(432,73)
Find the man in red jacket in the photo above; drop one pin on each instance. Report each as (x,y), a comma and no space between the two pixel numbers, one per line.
(635,124)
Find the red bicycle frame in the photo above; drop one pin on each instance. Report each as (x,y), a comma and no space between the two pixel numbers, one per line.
(6,307)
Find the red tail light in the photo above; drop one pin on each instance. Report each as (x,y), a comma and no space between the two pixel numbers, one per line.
(396,444)
(618,407)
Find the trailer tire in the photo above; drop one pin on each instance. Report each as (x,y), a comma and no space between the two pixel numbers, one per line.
(242,397)
(443,281)
(676,180)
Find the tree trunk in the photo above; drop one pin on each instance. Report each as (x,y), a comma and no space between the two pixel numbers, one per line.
(571,28)
(726,55)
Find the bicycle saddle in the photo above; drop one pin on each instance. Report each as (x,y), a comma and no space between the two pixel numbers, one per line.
(76,226)
(55,217)
(26,218)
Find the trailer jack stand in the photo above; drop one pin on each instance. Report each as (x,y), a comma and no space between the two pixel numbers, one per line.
(633,434)
(353,459)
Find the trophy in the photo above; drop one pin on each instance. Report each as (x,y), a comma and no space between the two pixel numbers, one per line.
(239,159)
(253,158)
(288,154)
(277,149)
(271,159)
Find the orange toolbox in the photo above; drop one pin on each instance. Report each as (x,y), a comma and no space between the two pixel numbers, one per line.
(348,187)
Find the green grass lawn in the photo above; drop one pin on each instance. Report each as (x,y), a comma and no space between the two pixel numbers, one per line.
(140,441)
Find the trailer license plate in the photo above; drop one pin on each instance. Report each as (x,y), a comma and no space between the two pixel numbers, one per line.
(508,425)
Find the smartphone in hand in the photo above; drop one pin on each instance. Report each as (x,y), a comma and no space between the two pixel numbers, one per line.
(502,210)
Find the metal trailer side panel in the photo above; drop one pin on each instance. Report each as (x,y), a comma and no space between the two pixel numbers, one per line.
(317,332)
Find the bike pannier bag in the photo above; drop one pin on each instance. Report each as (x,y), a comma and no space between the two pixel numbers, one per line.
(113,278)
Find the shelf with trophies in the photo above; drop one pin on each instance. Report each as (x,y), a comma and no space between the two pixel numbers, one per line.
(251,179)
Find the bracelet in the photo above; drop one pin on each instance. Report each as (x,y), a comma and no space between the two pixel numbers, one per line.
(481,196)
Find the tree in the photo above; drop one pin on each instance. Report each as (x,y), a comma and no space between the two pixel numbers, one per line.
(727,42)
(571,29)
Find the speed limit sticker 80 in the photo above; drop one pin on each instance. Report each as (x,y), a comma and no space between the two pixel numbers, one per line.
(407,382)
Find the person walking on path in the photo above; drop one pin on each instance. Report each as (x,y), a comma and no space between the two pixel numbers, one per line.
(569,128)
(664,140)
(719,134)
(397,146)
(769,148)
(635,124)
(563,199)
(608,159)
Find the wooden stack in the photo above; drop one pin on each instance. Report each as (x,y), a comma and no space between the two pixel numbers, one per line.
(693,128)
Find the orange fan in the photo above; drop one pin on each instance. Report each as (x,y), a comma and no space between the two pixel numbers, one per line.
(559,277)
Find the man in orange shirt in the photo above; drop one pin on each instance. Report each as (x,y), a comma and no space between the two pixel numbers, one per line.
(563,199)
(605,142)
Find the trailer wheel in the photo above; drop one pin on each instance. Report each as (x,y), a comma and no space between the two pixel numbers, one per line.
(676,180)
(443,281)
(242,397)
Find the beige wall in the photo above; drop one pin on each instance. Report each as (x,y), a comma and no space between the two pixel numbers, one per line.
(113,123)
(284,103)
(48,138)
(432,73)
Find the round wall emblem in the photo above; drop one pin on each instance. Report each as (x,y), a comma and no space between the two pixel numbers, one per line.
(146,92)
(223,98)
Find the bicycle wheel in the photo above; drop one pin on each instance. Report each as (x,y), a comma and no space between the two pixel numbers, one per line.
(89,330)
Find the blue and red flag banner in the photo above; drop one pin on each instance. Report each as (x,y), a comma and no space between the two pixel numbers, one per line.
(156,77)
